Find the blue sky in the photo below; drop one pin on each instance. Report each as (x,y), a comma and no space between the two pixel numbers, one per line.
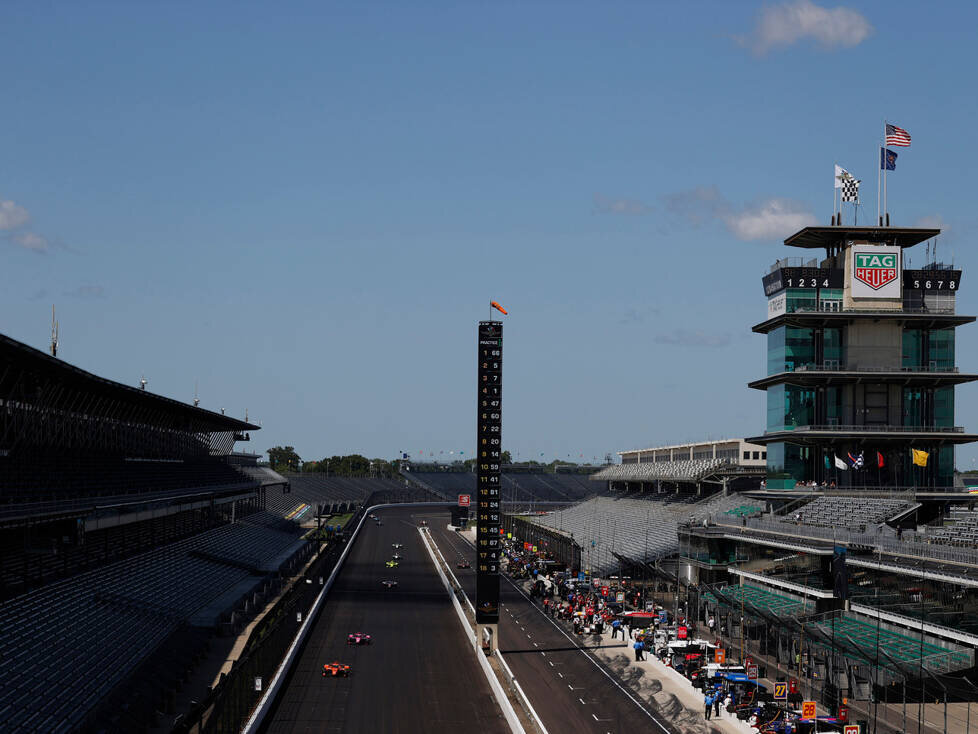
(305,210)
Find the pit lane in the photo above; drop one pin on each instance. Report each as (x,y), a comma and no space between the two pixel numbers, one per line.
(568,688)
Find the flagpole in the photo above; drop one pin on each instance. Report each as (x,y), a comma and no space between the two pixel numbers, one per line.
(885,212)
(879,176)
(835,194)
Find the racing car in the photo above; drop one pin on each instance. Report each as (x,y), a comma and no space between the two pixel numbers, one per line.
(358,638)
(389,583)
(396,546)
(424,523)
(397,557)
(392,564)
(336,670)
(463,564)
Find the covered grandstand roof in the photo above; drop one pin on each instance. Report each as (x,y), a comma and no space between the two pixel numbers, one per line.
(78,381)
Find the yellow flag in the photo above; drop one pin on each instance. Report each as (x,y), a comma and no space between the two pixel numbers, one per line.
(919,457)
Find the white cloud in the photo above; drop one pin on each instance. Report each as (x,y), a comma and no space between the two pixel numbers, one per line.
(32,241)
(770,219)
(698,205)
(12,215)
(790,22)
(606,205)
(932,221)
(773,219)
(87,291)
(684,338)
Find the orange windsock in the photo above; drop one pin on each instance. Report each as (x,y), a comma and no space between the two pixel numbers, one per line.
(498,307)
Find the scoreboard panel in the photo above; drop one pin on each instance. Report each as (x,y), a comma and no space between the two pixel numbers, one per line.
(931,280)
(488,464)
(813,278)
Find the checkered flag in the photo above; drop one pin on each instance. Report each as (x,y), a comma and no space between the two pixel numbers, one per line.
(850,189)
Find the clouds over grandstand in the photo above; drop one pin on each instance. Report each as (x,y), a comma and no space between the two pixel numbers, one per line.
(688,338)
(608,205)
(13,219)
(87,292)
(768,219)
(788,23)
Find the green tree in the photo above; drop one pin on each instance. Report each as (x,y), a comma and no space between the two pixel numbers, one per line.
(506,458)
(284,458)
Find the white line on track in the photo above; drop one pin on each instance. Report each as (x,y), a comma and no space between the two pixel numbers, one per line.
(582,701)
(584,652)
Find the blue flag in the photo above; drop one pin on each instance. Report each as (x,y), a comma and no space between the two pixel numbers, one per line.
(887,159)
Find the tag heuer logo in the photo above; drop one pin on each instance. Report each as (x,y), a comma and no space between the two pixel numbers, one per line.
(876,270)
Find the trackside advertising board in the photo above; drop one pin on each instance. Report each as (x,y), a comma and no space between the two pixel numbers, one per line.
(876,271)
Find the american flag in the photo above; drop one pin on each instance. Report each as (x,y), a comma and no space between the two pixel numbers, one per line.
(897,136)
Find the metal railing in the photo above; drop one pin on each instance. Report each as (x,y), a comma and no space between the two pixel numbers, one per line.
(870,429)
(793,262)
(883,545)
(838,367)
(866,312)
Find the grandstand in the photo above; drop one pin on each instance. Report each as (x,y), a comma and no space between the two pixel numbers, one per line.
(690,467)
(81,637)
(640,529)
(516,485)
(850,512)
(960,529)
(128,531)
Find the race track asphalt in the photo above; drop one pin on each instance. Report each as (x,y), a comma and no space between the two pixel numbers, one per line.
(569,690)
(420,674)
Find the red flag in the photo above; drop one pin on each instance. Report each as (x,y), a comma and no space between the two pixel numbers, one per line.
(879,460)
(498,308)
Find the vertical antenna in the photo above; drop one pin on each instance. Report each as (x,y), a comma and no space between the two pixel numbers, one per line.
(246,415)
(196,399)
(142,382)
(54,334)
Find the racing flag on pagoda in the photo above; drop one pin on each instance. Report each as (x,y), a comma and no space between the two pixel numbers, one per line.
(919,457)
(887,159)
(856,461)
(879,460)
(850,189)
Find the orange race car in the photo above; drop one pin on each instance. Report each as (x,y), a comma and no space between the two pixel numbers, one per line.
(336,670)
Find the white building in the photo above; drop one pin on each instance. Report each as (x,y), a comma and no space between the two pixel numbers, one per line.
(734,450)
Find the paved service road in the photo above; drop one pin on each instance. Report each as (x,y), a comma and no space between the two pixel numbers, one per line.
(569,691)
(420,674)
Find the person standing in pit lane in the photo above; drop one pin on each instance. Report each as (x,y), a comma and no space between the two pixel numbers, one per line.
(639,647)
(708,704)
(615,626)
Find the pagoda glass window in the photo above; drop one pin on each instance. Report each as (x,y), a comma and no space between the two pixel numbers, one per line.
(789,406)
(789,347)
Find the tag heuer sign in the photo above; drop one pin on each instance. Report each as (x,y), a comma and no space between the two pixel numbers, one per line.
(876,271)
